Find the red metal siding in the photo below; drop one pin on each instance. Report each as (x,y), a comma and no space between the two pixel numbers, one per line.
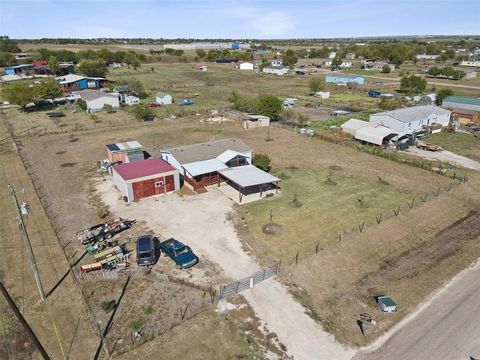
(146,188)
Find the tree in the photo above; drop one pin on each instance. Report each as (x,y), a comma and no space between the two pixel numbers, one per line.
(135,85)
(49,89)
(336,62)
(6,59)
(262,161)
(442,94)
(316,84)
(53,64)
(200,53)
(389,104)
(413,84)
(108,108)
(270,105)
(19,93)
(142,112)
(8,45)
(289,58)
(243,103)
(94,68)
(386,69)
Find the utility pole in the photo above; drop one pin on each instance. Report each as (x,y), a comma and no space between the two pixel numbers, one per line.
(28,245)
(24,323)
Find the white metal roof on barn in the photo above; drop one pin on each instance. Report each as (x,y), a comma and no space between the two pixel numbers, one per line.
(351,126)
(248,175)
(414,113)
(374,135)
(204,167)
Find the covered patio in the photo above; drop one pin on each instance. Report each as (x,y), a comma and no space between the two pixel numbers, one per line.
(249,181)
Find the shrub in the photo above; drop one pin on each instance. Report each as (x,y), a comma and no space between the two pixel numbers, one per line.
(102,213)
(82,104)
(262,161)
(135,325)
(142,112)
(108,306)
(386,69)
(108,108)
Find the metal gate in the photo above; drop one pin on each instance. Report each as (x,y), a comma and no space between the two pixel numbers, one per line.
(248,282)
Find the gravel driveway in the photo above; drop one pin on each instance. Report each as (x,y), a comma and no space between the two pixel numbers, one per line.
(446,156)
(201,222)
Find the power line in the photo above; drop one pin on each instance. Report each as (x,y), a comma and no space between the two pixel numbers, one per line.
(28,245)
(23,322)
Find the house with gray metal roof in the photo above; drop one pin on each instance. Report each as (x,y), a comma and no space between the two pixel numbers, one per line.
(212,163)
(412,119)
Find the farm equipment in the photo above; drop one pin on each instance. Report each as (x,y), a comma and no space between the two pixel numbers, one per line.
(428,146)
(101,232)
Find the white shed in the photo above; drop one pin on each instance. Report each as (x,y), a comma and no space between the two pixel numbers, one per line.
(351,126)
(163,99)
(323,94)
(375,135)
(246,66)
(277,70)
(131,100)
(96,99)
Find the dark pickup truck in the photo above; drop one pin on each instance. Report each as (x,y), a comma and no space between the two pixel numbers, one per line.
(181,254)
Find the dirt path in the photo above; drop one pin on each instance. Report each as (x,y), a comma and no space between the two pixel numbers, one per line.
(445,327)
(446,156)
(200,221)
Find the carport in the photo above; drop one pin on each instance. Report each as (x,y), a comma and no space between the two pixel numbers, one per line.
(375,135)
(249,180)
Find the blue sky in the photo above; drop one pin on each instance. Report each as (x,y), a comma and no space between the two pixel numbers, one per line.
(236,19)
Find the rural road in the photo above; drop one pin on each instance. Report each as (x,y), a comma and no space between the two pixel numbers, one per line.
(201,222)
(446,156)
(447,328)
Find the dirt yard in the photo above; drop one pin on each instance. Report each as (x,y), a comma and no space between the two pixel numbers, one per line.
(66,165)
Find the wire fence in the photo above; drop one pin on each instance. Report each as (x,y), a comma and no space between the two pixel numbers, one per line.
(351,232)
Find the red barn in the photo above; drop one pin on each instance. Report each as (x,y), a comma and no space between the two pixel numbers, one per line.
(144,178)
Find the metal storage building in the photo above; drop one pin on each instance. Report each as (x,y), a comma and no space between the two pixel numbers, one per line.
(461,102)
(351,126)
(375,135)
(125,152)
(144,178)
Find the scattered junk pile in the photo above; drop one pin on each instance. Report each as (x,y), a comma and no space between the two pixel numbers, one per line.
(216,117)
(308,132)
(422,145)
(107,255)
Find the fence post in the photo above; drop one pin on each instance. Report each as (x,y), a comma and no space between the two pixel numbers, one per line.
(412,203)
(360,227)
(437,192)
(279,265)
(339,237)
(379,219)
(296,259)
(397,211)
(316,248)
(424,199)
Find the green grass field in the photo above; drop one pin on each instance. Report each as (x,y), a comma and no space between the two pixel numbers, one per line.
(460,143)
(326,211)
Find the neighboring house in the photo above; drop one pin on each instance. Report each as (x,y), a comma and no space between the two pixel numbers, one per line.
(254,121)
(163,99)
(426,57)
(131,100)
(277,70)
(374,65)
(129,151)
(464,109)
(17,69)
(227,160)
(470,63)
(344,79)
(144,178)
(246,66)
(72,82)
(350,56)
(332,55)
(21,56)
(412,119)
(65,68)
(276,62)
(96,99)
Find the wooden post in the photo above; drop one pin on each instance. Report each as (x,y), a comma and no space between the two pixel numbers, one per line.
(296,259)
(276,187)
(379,219)
(316,248)
(261,189)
